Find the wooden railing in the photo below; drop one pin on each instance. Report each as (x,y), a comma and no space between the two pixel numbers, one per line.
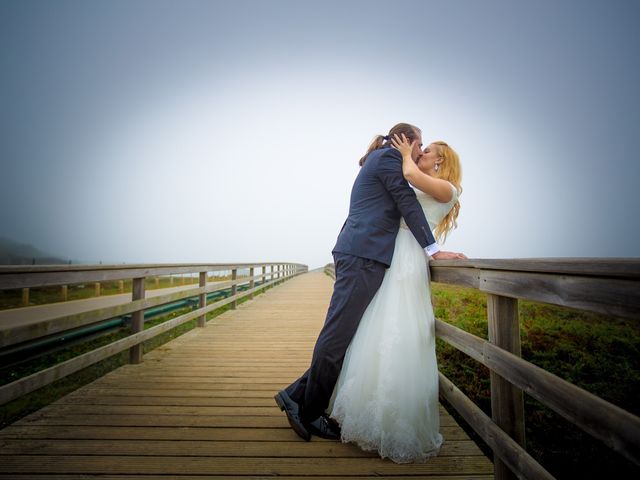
(608,286)
(41,276)
(330,269)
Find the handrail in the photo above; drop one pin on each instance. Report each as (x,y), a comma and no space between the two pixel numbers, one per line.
(602,285)
(26,277)
(610,286)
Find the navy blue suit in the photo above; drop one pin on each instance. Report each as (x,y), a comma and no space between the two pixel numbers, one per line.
(379,198)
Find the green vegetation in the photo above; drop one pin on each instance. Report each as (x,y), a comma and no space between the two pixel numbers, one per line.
(598,353)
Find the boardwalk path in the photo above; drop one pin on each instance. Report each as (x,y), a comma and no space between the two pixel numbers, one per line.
(203,405)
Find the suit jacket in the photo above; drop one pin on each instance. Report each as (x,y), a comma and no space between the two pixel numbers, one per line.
(379,197)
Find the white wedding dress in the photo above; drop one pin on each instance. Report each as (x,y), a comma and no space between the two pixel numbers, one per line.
(386,397)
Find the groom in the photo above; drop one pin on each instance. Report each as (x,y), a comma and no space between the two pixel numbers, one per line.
(379,197)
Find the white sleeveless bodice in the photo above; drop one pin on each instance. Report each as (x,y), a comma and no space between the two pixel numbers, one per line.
(434,210)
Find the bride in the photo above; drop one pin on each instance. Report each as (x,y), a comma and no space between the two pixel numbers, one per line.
(386,397)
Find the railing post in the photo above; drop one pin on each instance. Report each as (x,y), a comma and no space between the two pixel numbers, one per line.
(121,286)
(97,286)
(252,283)
(65,293)
(203,298)
(507,402)
(25,297)
(137,320)
(234,288)
(272,276)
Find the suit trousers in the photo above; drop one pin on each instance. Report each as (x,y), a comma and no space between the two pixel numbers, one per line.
(357,281)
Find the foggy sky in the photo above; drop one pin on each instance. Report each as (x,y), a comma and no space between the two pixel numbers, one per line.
(206,131)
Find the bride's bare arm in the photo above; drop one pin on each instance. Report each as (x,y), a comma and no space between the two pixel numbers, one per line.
(436,187)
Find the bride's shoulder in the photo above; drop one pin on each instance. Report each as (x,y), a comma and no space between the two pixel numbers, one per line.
(456,192)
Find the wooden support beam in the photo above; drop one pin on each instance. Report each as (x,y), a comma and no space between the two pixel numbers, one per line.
(507,402)
(137,320)
(203,298)
(234,288)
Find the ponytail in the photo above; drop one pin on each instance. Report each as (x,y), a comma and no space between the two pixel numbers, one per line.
(380,141)
(377,143)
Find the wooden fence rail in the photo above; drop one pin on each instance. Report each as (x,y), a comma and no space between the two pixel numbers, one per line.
(608,286)
(38,276)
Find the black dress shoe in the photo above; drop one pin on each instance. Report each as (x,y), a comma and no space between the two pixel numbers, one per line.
(292,409)
(324,427)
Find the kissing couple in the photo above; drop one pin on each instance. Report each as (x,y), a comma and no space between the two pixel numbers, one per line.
(373,378)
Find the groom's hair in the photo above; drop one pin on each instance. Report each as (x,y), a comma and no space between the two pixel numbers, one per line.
(379,141)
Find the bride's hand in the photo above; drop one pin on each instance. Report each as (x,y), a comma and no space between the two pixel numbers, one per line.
(403,145)
(442,255)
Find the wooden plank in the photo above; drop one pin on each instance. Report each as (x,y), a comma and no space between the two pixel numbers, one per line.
(60,410)
(463,341)
(79,432)
(598,267)
(205,401)
(597,294)
(180,465)
(465,277)
(20,276)
(207,448)
(611,296)
(159,392)
(231,477)
(144,420)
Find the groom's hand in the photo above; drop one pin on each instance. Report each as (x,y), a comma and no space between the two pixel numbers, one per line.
(442,255)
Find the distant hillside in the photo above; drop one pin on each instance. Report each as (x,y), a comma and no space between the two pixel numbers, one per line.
(14,253)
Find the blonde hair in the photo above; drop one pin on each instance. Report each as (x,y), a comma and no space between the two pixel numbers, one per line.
(409,131)
(450,170)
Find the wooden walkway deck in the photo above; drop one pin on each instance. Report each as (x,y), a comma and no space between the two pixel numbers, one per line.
(202,406)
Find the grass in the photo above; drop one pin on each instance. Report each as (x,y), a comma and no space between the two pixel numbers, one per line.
(31,402)
(598,353)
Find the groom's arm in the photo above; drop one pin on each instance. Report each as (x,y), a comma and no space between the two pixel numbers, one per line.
(390,173)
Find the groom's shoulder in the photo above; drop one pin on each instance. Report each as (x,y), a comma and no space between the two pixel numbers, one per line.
(385,158)
(385,153)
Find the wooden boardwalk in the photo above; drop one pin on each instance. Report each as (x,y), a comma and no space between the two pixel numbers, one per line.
(202,406)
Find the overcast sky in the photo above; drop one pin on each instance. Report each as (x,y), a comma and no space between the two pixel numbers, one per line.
(210,131)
